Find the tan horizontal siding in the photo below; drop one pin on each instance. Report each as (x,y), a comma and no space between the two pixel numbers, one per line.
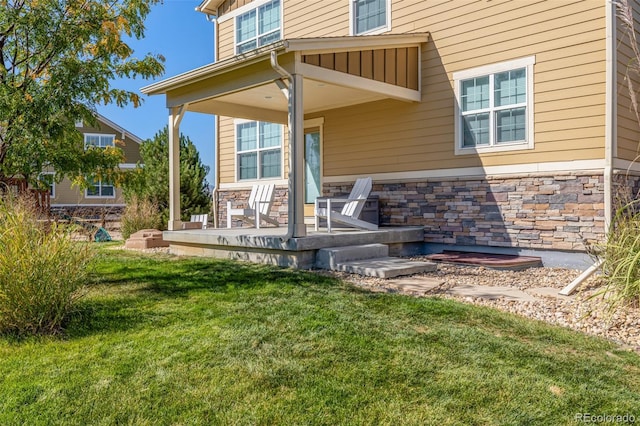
(67,194)
(227,150)
(231,5)
(567,38)
(628,130)
(130,149)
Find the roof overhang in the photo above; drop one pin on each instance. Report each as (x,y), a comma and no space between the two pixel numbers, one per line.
(246,86)
(210,7)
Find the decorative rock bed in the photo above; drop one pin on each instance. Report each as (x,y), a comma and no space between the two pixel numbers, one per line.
(580,311)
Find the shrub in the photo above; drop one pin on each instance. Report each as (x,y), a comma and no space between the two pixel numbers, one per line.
(139,214)
(620,257)
(42,271)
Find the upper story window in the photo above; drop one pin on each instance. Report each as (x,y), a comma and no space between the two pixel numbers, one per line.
(370,16)
(100,141)
(258,150)
(494,108)
(258,27)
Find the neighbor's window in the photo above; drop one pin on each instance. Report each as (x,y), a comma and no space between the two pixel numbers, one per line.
(259,150)
(47,179)
(98,188)
(101,141)
(495,106)
(258,27)
(370,16)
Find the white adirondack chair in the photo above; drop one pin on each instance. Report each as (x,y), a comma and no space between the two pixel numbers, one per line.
(259,207)
(353,205)
(203,218)
(198,221)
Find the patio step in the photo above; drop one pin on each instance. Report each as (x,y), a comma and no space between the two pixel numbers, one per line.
(328,258)
(371,260)
(385,267)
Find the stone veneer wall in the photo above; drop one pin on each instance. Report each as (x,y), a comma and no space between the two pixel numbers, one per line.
(626,187)
(556,212)
(239,199)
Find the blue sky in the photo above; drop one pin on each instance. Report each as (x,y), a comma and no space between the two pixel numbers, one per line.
(186,39)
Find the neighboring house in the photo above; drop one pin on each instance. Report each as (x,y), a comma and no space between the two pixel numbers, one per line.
(101,194)
(497,125)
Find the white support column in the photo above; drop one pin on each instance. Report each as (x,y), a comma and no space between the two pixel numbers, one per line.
(175,117)
(297,154)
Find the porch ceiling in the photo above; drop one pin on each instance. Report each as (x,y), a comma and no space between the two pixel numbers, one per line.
(248,87)
(267,102)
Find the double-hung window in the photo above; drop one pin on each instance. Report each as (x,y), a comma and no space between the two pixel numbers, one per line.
(494,108)
(370,16)
(258,150)
(100,189)
(100,141)
(258,27)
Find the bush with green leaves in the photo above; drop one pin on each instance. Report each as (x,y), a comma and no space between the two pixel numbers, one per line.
(42,271)
(139,214)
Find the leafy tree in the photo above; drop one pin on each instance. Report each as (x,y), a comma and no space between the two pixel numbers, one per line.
(58,59)
(151,181)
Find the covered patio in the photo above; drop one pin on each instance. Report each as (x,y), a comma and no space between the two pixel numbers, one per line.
(284,83)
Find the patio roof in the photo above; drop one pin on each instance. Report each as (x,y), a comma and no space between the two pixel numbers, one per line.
(285,80)
(337,72)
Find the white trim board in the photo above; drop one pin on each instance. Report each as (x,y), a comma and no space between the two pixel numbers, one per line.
(249,184)
(516,169)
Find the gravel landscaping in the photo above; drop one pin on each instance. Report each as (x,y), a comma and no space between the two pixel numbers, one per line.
(579,311)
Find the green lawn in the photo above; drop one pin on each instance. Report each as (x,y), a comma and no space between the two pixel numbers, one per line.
(199,341)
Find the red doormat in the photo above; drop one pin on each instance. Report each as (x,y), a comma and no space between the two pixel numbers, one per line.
(488,260)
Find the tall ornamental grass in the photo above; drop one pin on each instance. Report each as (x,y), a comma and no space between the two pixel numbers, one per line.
(139,214)
(620,256)
(42,271)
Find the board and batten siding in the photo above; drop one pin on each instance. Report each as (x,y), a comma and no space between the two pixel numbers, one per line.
(568,39)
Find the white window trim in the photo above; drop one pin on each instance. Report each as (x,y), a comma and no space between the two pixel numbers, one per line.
(241,10)
(53,183)
(99,135)
(352,20)
(528,63)
(248,8)
(86,192)
(257,150)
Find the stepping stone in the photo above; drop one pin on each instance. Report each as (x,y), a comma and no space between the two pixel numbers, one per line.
(490,293)
(547,292)
(415,284)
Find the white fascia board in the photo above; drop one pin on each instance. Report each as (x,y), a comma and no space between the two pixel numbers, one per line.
(124,132)
(307,46)
(211,70)
(318,45)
